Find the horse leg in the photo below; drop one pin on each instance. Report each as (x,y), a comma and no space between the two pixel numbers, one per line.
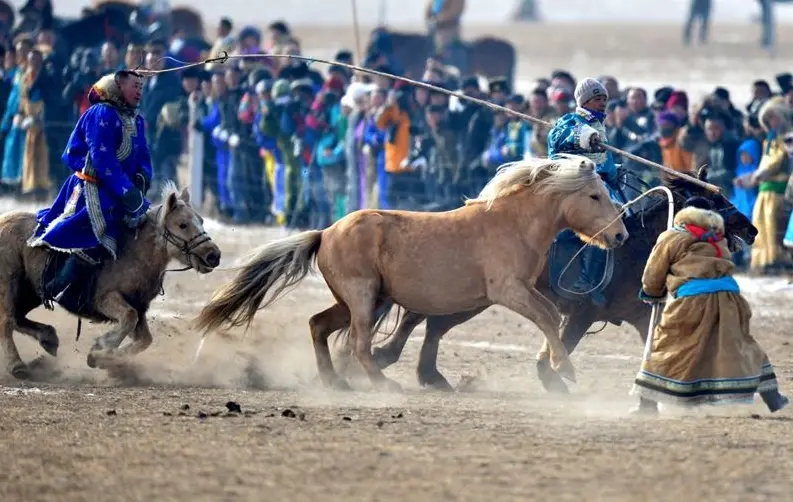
(388,353)
(14,363)
(535,307)
(437,327)
(43,333)
(321,326)
(46,335)
(141,339)
(574,330)
(361,331)
(114,307)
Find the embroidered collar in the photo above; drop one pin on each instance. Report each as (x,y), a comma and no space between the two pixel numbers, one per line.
(590,115)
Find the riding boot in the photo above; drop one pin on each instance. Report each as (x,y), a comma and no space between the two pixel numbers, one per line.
(67,286)
(774,400)
(592,260)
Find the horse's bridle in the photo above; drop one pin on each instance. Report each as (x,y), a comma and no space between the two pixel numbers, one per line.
(725,212)
(185,246)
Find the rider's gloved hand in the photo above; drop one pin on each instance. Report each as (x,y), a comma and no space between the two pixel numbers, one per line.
(596,143)
(142,182)
(136,206)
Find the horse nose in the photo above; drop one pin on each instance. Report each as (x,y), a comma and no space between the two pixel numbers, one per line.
(213,259)
(620,238)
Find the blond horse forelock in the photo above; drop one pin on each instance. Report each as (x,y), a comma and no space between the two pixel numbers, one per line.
(564,174)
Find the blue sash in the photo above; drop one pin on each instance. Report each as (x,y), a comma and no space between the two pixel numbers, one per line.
(696,287)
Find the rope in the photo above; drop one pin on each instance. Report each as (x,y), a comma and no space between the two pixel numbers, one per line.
(224,57)
(625,208)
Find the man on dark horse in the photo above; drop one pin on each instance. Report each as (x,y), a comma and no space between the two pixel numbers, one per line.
(582,132)
(105,194)
(443,26)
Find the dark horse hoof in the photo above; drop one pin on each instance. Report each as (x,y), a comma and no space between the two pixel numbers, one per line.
(551,381)
(91,360)
(50,346)
(435,381)
(20,371)
(383,358)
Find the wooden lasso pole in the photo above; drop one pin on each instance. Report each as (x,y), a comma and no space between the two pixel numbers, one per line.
(225,57)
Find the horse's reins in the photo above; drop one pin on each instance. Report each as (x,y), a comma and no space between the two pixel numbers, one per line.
(186,246)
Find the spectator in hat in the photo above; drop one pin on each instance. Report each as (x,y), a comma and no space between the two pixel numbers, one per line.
(678,104)
(498,89)
(562,101)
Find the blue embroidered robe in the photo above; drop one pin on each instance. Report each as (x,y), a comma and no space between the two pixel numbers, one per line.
(565,137)
(106,150)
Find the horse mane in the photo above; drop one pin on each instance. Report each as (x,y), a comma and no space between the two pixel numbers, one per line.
(564,174)
(167,189)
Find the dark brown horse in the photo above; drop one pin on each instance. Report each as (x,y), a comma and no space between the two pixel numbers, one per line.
(486,56)
(622,293)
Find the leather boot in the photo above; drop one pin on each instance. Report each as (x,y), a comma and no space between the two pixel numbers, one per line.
(774,400)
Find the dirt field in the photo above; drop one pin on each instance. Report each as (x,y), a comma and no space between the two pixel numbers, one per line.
(158,428)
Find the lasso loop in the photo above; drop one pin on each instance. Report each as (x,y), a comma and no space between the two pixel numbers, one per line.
(625,207)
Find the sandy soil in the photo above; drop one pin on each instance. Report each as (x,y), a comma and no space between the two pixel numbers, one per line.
(158,428)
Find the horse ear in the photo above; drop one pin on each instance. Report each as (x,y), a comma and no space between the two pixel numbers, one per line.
(185,195)
(171,202)
(702,174)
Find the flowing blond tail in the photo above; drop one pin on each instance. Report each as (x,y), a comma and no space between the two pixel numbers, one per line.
(286,262)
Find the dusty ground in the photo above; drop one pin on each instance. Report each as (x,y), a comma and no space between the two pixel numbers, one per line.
(157,429)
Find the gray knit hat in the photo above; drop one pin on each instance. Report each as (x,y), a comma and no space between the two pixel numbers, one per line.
(588,89)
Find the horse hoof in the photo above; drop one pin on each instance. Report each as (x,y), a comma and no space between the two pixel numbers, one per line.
(390,386)
(340,384)
(551,381)
(20,372)
(436,382)
(50,346)
(382,358)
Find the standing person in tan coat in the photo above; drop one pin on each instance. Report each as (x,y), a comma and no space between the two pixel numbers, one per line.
(702,351)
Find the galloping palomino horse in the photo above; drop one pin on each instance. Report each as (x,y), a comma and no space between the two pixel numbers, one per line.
(124,288)
(623,303)
(487,252)
(486,56)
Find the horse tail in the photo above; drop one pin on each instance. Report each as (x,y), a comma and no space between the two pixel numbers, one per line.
(381,317)
(278,265)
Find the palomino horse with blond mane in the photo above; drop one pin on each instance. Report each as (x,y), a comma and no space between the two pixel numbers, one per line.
(490,251)
(124,287)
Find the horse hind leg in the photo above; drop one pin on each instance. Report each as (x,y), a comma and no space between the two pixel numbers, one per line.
(322,325)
